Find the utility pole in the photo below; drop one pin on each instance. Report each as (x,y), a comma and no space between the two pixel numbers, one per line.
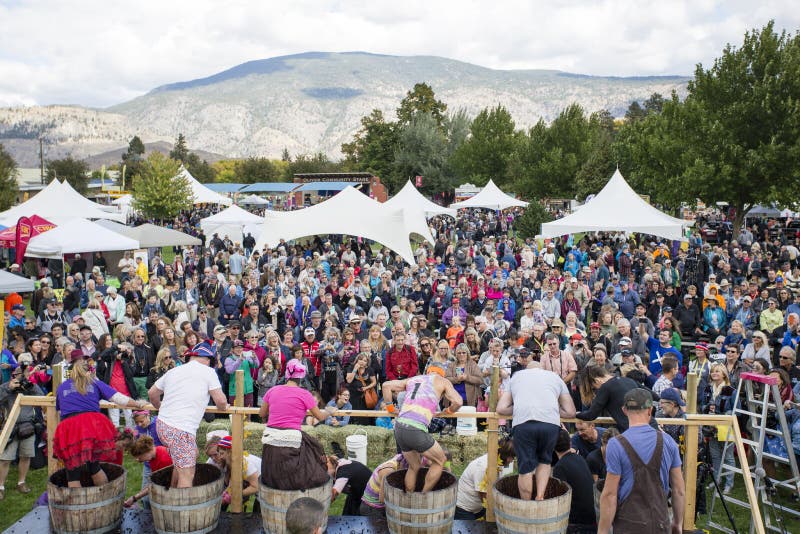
(41,158)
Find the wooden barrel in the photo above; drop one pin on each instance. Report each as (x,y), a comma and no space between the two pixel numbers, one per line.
(192,510)
(88,509)
(274,504)
(417,512)
(515,515)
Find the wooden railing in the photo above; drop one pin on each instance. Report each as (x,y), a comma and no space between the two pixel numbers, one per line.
(239,414)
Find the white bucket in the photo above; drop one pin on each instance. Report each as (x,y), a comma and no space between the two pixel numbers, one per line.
(357,447)
(467,426)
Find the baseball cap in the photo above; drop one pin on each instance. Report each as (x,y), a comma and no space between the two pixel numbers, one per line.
(16,307)
(309,331)
(220,329)
(638,399)
(687,296)
(701,345)
(575,336)
(234,324)
(672,395)
(225,443)
(238,343)
(626,352)
(748,298)
(625,340)
(316,313)
(376,299)
(667,309)
(594,325)
(779,279)
(456,300)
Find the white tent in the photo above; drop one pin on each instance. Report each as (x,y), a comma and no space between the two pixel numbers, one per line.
(617,208)
(58,201)
(490,197)
(202,194)
(349,212)
(232,221)
(253,200)
(12,283)
(152,236)
(409,196)
(78,235)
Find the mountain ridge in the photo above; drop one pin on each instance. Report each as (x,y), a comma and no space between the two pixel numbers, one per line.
(311,102)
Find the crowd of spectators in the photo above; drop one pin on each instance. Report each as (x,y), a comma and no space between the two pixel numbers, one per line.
(605,312)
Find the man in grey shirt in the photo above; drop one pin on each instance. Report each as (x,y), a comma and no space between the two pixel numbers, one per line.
(537,400)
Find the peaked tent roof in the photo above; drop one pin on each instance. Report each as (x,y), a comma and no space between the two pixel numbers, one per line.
(490,197)
(57,202)
(253,200)
(409,196)
(202,194)
(151,235)
(617,208)
(12,283)
(349,212)
(233,215)
(8,236)
(78,235)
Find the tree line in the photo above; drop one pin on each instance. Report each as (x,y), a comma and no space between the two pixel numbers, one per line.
(734,137)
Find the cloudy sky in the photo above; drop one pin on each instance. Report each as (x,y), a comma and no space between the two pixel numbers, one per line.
(99,53)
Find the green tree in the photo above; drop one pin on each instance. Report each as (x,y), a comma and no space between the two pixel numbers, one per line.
(180,151)
(74,171)
(160,192)
(736,136)
(635,112)
(225,170)
(8,180)
(200,169)
(373,146)
(303,163)
(530,224)
(654,104)
(132,160)
(486,153)
(421,100)
(253,170)
(425,149)
(285,156)
(598,167)
(547,159)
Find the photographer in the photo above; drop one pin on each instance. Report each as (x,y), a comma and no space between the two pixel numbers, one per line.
(23,438)
(114,367)
(717,399)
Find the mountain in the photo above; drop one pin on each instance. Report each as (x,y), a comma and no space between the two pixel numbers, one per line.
(307,103)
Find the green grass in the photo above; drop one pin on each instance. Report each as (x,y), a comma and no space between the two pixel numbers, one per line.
(16,505)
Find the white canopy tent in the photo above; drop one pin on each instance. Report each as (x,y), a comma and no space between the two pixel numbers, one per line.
(233,216)
(253,200)
(410,197)
(617,208)
(202,194)
(490,197)
(78,235)
(58,201)
(12,283)
(349,212)
(152,236)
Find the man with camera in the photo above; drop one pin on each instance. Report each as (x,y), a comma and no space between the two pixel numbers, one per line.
(115,367)
(23,438)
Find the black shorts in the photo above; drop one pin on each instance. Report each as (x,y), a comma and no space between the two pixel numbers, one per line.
(409,438)
(534,443)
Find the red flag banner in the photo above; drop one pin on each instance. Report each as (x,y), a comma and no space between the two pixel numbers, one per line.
(418,181)
(24,231)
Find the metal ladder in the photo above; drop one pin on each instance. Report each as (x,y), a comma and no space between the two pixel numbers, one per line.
(757,410)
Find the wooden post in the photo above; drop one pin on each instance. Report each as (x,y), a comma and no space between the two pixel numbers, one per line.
(690,435)
(237,449)
(757,521)
(52,420)
(492,431)
(11,421)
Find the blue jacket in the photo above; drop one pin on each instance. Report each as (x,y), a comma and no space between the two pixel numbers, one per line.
(228,305)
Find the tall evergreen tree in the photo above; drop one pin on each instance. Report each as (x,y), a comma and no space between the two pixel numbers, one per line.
(8,180)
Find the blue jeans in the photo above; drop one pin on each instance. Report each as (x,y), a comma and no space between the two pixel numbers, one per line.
(715,447)
(146,472)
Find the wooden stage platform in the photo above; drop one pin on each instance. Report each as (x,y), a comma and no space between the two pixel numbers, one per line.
(140,522)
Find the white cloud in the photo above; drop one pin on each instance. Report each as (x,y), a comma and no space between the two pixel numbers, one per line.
(100,53)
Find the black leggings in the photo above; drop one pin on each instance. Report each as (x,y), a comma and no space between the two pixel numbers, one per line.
(74,475)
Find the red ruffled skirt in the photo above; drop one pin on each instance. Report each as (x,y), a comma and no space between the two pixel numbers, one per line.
(86,437)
